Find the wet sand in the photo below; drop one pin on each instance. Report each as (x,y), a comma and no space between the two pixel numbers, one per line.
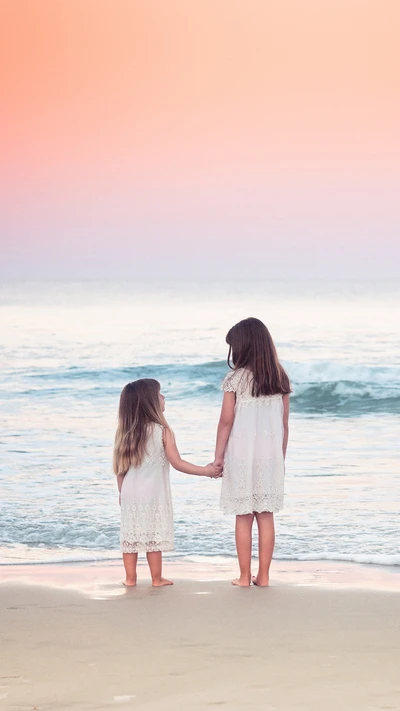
(102,578)
(200,644)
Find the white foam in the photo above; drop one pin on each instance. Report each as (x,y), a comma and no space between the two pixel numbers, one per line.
(321,371)
(365,559)
(60,559)
(391,560)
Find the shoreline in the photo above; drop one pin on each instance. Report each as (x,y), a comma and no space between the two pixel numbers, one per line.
(103,579)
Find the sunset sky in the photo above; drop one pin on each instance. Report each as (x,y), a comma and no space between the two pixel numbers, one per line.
(190,138)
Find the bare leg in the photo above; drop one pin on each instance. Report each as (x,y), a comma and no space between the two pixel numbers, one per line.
(243,528)
(266,542)
(130,562)
(155,564)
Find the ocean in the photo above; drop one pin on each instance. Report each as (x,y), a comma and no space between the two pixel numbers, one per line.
(67,349)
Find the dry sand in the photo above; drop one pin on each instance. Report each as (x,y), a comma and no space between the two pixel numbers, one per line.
(198,645)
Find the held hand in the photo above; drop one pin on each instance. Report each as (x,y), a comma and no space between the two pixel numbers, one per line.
(219,464)
(213,471)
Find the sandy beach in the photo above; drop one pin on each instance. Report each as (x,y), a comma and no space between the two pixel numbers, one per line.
(198,645)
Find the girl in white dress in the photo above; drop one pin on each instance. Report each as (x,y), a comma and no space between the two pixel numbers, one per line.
(144,448)
(251,443)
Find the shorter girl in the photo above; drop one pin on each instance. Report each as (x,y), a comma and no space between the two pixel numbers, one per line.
(251,442)
(144,447)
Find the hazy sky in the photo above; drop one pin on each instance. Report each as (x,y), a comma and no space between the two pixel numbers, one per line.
(188,137)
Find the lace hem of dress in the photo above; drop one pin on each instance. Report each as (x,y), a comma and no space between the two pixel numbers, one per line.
(251,504)
(146,526)
(147,547)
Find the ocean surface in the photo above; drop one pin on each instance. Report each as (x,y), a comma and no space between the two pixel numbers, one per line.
(67,349)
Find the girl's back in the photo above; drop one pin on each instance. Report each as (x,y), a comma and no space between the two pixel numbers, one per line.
(146,479)
(146,505)
(254,464)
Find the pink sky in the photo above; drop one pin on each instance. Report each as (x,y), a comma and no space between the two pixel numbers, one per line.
(150,137)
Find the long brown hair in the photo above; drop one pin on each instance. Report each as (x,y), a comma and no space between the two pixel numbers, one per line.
(251,346)
(139,408)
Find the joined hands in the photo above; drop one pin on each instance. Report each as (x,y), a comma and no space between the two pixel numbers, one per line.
(214,470)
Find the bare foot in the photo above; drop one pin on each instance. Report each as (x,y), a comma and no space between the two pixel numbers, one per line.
(260,582)
(129,583)
(161,583)
(241,582)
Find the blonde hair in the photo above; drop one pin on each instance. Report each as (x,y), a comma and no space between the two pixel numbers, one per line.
(139,409)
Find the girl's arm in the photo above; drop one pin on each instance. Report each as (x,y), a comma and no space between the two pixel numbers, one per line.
(224,426)
(180,464)
(285,399)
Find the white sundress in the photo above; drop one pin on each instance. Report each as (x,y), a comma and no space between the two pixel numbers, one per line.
(146,504)
(254,466)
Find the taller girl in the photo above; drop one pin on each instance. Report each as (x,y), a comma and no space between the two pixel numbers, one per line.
(251,444)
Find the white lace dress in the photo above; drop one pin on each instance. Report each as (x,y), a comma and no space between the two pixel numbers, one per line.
(254,467)
(146,505)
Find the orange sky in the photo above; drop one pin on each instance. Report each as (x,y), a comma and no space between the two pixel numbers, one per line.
(127,118)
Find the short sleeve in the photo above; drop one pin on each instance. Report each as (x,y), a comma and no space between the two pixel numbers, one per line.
(229,383)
